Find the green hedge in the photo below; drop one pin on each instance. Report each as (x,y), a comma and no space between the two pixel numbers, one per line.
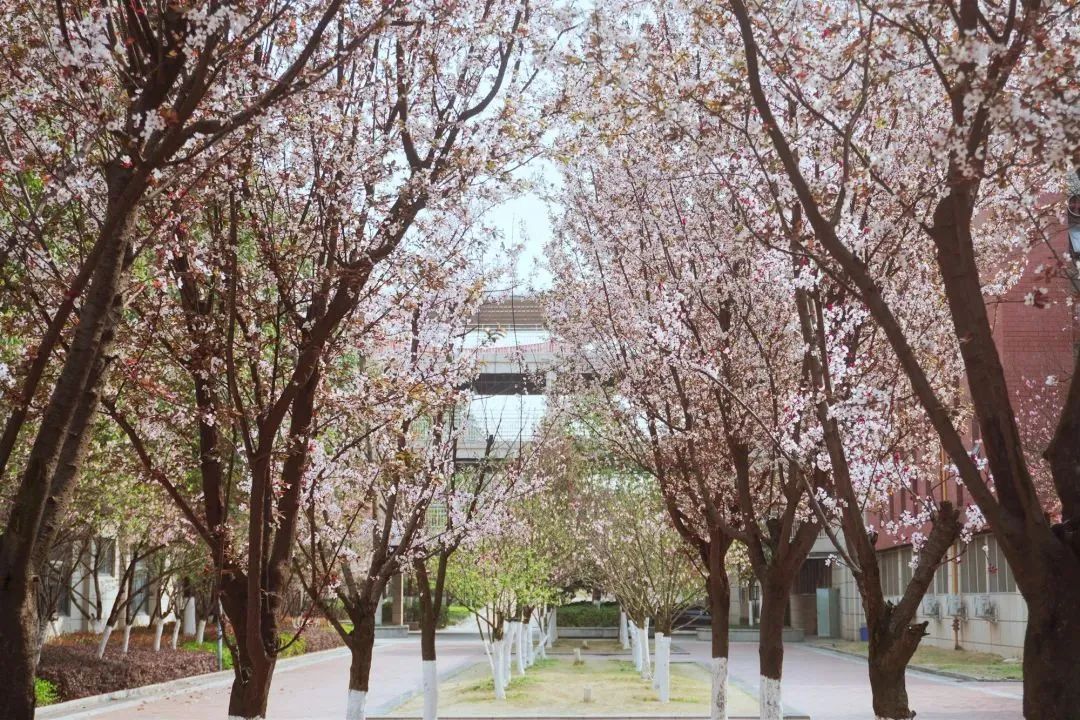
(584,614)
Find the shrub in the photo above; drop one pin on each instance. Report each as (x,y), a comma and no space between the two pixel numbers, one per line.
(584,614)
(46,692)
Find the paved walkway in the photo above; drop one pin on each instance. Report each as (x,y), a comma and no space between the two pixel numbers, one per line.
(825,685)
(831,686)
(311,692)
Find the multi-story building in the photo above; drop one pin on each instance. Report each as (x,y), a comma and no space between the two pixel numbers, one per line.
(974,603)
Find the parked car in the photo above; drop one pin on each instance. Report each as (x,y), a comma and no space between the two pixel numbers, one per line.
(695,616)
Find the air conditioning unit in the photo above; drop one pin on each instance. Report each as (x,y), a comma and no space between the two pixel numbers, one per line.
(985,608)
(954,606)
(931,607)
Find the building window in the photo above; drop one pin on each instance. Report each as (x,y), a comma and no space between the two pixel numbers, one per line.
(889,564)
(1000,577)
(509,384)
(106,555)
(984,569)
(140,590)
(905,569)
(941,579)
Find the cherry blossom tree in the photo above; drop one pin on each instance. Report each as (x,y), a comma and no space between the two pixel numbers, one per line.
(951,119)
(109,107)
(641,560)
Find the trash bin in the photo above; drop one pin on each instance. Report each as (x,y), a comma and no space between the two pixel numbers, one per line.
(864,634)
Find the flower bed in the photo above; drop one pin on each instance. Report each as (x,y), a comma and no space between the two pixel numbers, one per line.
(71,665)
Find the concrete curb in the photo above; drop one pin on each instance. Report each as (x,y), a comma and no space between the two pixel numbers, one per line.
(96,704)
(918,668)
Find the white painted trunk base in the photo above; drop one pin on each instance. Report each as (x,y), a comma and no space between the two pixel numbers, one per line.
(499,669)
(635,645)
(104,640)
(175,633)
(659,669)
(189,617)
(663,667)
(430,685)
(159,627)
(553,627)
(624,631)
(522,651)
(646,662)
(200,631)
(356,708)
(718,706)
(127,638)
(771,704)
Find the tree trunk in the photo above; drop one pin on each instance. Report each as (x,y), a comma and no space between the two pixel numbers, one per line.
(719,605)
(499,667)
(522,651)
(887,683)
(250,688)
(663,667)
(771,649)
(35,502)
(635,645)
(430,605)
(18,625)
(159,627)
(1051,690)
(646,657)
(361,646)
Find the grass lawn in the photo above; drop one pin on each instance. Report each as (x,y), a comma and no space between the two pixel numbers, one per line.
(555,687)
(456,614)
(291,648)
(976,665)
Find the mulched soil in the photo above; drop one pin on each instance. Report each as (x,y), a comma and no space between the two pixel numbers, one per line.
(70,661)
